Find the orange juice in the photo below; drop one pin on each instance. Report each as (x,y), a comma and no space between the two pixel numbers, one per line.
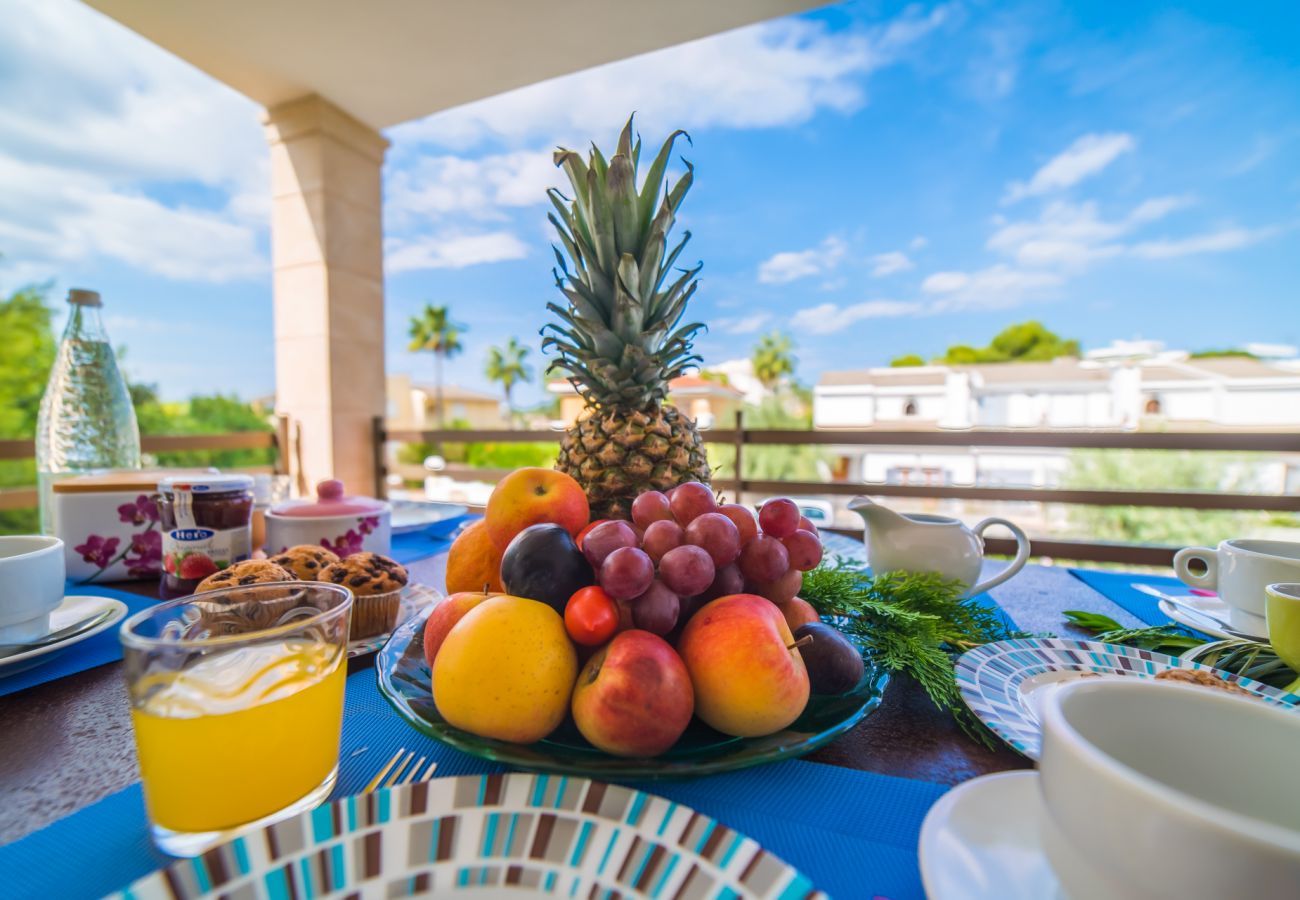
(239,735)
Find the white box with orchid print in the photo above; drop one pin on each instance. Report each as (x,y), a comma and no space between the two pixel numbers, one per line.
(109,525)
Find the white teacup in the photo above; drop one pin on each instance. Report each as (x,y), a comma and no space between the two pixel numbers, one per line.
(31,585)
(1170,791)
(1239,570)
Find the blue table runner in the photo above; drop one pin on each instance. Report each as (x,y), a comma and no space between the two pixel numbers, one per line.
(1117,587)
(853,833)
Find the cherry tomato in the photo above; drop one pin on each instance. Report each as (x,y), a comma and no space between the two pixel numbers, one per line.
(591,617)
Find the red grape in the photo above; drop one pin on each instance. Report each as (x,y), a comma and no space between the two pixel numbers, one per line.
(650,507)
(626,573)
(726,581)
(661,537)
(783,589)
(805,524)
(717,534)
(764,559)
(804,549)
(605,538)
(779,518)
(690,500)
(687,570)
(743,518)
(657,609)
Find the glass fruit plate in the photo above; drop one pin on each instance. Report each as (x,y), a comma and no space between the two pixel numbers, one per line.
(404,680)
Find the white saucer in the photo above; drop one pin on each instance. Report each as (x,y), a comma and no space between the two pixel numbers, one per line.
(982,841)
(69,612)
(1211,606)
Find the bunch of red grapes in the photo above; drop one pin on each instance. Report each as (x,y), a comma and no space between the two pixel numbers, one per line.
(682,549)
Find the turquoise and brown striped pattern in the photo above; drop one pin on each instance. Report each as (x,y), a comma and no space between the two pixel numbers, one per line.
(488,834)
(997,679)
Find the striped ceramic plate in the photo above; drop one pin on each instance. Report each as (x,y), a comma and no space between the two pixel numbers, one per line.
(1004,683)
(487,836)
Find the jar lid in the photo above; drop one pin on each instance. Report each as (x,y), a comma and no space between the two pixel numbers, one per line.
(206,484)
(330,501)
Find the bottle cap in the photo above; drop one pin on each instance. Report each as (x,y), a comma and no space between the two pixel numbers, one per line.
(205,483)
(83,297)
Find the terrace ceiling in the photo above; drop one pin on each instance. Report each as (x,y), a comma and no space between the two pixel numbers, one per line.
(388,61)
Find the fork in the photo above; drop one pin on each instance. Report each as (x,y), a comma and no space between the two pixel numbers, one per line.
(396,771)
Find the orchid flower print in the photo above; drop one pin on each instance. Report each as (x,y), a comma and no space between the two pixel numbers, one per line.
(142,554)
(351,542)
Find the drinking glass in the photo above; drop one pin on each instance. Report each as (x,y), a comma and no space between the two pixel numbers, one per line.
(237,703)
(1282,605)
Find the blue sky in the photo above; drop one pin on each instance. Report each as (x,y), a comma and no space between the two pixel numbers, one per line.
(875,178)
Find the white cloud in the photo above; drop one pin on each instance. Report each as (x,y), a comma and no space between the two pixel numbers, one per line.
(436,186)
(742,324)
(894,261)
(774,73)
(1072,236)
(1086,156)
(451,251)
(918,243)
(99,129)
(996,287)
(788,266)
(827,318)
(1212,242)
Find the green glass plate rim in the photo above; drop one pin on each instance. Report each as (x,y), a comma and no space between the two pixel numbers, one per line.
(536,758)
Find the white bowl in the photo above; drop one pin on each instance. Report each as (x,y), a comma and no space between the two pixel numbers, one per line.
(31,585)
(1170,790)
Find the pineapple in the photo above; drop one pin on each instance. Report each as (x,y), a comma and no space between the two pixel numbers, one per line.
(618,336)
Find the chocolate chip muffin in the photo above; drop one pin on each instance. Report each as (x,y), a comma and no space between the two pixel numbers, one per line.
(239,612)
(376,583)
(306,561)
(250,571)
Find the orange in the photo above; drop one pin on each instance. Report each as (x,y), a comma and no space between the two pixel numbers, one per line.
(473,562)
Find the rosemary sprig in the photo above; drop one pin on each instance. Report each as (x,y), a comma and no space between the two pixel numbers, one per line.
(909,622)
(1249,658)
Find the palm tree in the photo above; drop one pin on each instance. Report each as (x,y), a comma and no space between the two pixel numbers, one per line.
(432,329)
(773,358)
(506,365)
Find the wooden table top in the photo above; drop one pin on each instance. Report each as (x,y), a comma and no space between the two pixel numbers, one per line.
(68,743)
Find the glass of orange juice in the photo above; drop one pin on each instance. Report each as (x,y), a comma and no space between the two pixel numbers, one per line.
(237,703)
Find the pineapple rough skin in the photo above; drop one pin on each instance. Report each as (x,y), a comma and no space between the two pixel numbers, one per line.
(615,457)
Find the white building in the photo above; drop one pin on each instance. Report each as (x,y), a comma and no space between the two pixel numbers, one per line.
(1131,386)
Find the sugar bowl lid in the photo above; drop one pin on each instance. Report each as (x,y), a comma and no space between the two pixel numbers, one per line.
(330,501)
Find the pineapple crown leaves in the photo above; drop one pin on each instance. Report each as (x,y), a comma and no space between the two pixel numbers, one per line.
(620,335)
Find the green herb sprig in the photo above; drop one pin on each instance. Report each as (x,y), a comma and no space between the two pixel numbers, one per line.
(909,622)
(1252,659)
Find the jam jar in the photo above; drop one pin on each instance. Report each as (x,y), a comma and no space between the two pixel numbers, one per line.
(207,524)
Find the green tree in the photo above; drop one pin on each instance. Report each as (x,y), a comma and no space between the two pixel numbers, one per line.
(507,367)
(433,330)
(910,359)
(1174,470)
(773,358)
(1219,354)
(29,348)
(1025,342)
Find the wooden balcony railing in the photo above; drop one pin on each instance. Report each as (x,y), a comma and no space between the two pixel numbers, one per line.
(26,497)
(741,438)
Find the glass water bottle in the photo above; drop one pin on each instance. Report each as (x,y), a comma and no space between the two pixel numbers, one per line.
(87,422)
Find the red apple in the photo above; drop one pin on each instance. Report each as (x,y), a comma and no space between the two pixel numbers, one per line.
(749,679)
(634,697)
(531,496)
(445,616)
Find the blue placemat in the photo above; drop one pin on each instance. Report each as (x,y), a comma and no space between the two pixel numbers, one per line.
(853,833)
(436,538)
(93,651)
(1117,587)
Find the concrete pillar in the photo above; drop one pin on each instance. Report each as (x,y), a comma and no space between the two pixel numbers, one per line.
(327,251)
